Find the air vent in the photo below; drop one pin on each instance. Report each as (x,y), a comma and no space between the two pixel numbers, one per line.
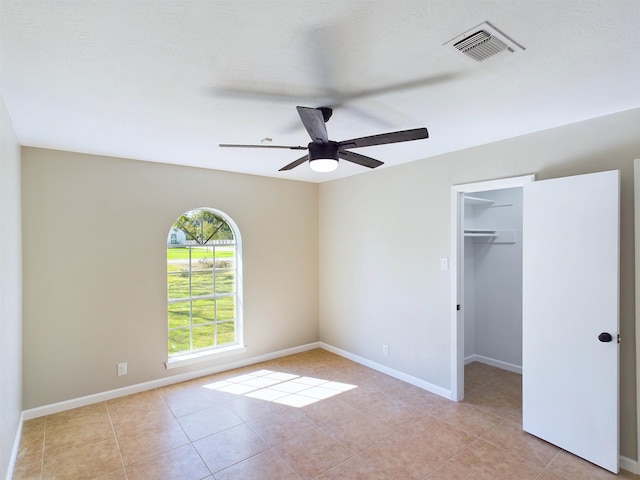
(481,45)
(483,42)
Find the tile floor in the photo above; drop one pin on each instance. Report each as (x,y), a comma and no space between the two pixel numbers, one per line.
(313,415)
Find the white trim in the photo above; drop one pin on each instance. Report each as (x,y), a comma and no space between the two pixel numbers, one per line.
(493,363)
(161,382)
(430,387)
(457,293)
(636,190)
(629,465)
(204,356)
(497,184)
(15,449)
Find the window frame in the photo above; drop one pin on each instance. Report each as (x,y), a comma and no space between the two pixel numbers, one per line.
(192,355)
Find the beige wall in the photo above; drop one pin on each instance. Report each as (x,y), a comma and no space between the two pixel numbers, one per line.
(10,290)
(94,240)
(382,235)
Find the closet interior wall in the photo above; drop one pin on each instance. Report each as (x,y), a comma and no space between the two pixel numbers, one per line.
(493,278)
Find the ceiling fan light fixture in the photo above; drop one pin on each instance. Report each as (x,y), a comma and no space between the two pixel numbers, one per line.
(323,165)
(323,157)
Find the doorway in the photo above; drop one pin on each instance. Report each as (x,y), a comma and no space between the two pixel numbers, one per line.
(491,214)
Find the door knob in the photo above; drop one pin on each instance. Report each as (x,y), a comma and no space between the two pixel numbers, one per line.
(605,337)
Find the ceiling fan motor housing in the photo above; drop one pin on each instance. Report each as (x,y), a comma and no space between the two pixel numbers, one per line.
(328,151)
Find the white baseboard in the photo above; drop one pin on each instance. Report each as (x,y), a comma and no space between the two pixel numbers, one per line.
(494,363)
(629,465)
(430,387)
(15,449)
(161,382)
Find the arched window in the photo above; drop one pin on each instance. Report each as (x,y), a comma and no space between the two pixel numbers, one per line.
(203,283)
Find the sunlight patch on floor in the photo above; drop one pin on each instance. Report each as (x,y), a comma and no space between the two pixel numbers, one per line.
(285,388)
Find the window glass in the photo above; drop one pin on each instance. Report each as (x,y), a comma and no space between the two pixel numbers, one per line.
(202,282)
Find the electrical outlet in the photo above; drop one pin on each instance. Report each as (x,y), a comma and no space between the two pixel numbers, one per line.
(385,349)
(122,369)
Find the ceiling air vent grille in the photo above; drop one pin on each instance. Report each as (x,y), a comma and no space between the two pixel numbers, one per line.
(482,42)
(481,45)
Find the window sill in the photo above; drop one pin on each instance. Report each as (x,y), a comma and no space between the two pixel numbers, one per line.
(199,357)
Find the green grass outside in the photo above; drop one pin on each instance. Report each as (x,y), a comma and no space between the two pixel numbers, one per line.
(212,319)
(182,253)
(204,336)
(203,282)
(203,311)
(213,323)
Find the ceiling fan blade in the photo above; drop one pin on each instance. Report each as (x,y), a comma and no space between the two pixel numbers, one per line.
(404,86)
(313,121)
(381,139)
(238,145)
(299,161)
(359,159)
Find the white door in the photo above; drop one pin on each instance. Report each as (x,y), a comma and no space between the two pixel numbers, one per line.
(570,299)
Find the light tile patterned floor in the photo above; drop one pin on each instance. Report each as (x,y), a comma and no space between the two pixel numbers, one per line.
(313,415)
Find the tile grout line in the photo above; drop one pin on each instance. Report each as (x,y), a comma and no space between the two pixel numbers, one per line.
(274,448)
(115,435)
(191,442)
(549,463)
(499,420)
(44,439)
(489,383)
(478,438)
(541,468)
(453,457)
(185,433)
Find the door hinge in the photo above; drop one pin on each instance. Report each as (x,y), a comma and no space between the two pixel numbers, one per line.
(618,338)
(458,307)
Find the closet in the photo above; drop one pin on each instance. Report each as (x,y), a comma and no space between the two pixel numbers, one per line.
(493,278)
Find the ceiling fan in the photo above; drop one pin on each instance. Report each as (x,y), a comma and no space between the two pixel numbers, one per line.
(324,153)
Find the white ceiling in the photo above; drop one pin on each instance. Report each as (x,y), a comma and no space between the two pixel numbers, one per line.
(167,81)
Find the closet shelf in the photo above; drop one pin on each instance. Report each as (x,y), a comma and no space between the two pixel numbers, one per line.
(480,232)
(478,201)
(485,235)
(492,236)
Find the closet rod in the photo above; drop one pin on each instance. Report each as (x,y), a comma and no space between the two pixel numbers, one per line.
(488,235)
